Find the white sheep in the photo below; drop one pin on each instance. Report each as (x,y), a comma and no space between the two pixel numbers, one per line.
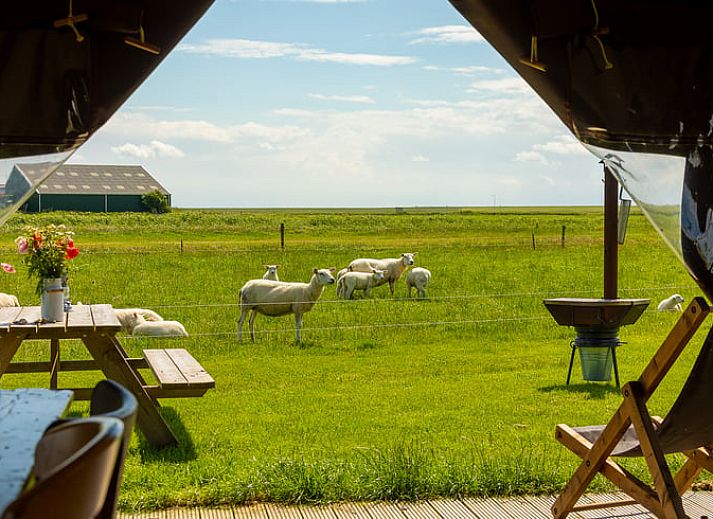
(271,272)
(418,277)
(394,267)
(671,304)
(341,273)
(275,298)
(140,327)
(351,281)
(8,300)
(124,316)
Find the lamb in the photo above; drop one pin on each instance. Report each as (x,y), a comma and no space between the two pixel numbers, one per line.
(352,281)
(394,267)
(8,300)
(271,272)
(275,298)
(124,316)
(140,327)
(671,304)
(418,277)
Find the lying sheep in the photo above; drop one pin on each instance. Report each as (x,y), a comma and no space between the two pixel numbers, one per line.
(671,304)
(351,281)
(275,298)
(418,277)
(124,316)
(394,267)
(8,300)
(140,327)
(271,273)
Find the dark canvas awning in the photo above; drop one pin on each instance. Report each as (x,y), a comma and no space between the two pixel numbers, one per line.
(628,75)
(55,90)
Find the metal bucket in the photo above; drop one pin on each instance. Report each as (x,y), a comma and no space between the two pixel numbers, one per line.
(595,347)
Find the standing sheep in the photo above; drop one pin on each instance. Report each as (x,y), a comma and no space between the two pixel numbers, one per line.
(351,281)
(271,272)
(394,267)
(275,298)
(418,277)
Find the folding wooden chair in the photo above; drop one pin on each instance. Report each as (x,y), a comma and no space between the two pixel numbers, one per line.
(687,429)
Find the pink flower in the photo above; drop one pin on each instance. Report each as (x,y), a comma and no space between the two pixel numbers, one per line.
(22,246)
(8,268)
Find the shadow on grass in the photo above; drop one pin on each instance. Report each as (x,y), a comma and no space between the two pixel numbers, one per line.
(594,390)
(184,451)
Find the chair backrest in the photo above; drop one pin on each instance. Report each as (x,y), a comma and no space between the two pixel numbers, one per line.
(111,399)
(74,463)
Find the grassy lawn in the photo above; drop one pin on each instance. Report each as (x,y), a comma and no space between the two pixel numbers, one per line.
(386,398)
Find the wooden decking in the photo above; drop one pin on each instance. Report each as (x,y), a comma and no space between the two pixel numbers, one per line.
(698,505)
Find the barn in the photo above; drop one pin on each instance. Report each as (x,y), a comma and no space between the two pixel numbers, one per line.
(74,187)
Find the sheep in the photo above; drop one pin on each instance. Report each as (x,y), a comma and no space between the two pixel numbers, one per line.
(352,281)
(275,298)
(8,300)
(341,273)
(124,316)
(140,327)
(418,277)
(671,304)
(271,272)
(394,267)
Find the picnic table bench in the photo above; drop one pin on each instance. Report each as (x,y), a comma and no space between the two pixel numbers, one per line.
(178,374)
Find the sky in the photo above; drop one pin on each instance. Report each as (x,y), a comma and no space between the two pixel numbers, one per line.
(344,103)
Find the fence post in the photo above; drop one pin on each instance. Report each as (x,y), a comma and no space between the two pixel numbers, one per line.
(181,245)
(282,236)
(563,229)
(533,240)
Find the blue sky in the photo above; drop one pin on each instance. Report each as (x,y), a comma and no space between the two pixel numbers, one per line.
(344,103)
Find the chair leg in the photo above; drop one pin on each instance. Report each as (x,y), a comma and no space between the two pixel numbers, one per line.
(668,496)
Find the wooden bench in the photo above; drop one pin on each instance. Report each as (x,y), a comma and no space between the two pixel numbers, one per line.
(178,374)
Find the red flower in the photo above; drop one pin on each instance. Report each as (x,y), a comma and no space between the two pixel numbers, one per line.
(71,252)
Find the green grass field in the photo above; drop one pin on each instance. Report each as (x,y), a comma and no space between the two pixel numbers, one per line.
(386,398)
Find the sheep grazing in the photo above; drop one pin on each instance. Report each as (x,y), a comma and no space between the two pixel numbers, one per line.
(124,316)
(394,267)
(418,277)
(271,273)
(275,298)
(8,300)
(671,304)
(351,281)
(140,327)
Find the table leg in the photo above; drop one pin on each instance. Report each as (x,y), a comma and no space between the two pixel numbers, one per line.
(54,362)
(8,347)
(111,359)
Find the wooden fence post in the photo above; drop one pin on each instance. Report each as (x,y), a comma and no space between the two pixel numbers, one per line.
(563,229)
(533,240)
(282,236)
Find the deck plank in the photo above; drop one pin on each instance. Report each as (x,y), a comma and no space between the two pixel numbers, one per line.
(504,508)
(452,509)
(275,511)
(252,511)
(419,510)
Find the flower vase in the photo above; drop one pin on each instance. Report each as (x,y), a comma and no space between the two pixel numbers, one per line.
(52,300)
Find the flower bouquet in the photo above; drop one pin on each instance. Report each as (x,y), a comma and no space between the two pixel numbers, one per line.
(47,251)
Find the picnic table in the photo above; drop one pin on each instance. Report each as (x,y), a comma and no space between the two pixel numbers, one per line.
(176,372)
(25,414)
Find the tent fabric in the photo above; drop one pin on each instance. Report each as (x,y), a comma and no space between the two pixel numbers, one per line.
(56,91)
(632,75)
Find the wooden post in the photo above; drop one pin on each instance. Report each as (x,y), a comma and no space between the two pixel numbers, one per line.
(563,229)
(611,241)
(533,240)
(181,245)
(282,236)
(54,362)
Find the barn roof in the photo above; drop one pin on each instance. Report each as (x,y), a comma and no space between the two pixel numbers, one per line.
(76,179)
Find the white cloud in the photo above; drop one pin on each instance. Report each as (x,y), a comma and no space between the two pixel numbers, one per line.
(420,158)
(562,145)
(256,49)
(148,151)
(448,34)
(531,156)
(471,70)
(348,99)
(509,85)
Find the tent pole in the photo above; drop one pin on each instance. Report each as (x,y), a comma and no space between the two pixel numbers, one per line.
(611,246)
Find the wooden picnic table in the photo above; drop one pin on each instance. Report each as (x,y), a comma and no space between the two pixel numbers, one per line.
(25,414)
(177,373)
